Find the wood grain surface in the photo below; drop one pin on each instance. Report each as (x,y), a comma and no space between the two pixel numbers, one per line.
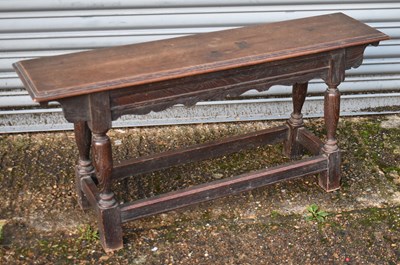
(56,77)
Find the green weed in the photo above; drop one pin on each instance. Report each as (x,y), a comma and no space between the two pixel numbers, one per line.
(88,233)
(315,214)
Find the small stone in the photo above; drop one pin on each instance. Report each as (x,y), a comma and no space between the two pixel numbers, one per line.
(154,249)
(217,175)
(378,236)
(395,176)
(391,123)
(104,258)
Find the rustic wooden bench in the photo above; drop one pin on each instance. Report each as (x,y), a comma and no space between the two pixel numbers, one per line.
(96,87)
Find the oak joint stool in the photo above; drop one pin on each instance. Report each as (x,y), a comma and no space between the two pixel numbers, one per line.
(96,87)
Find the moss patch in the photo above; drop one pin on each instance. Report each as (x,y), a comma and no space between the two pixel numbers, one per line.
(2,224)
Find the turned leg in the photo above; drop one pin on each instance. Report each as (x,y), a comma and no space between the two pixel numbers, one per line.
(84,167)
(291,147)
(108,212)
(109,218)
(330,180)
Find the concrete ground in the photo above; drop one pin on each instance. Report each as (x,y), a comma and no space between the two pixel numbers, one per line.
(40,222)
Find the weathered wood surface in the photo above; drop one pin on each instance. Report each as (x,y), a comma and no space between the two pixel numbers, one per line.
(56,77)
(199,152)
(221,188)
(309,141)
(291,147)
(84,166)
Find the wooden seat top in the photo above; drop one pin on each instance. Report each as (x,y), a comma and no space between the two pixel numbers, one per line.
(56,77)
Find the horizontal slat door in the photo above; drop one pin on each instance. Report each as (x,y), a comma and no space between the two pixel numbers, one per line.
(30,29)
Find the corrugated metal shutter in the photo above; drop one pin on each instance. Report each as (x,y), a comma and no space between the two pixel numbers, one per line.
(30,29)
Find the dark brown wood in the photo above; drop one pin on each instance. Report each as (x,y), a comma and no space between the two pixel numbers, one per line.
(216,86)
(199,152)
(102,160)
(329,180)
(83,140)
(96,87)
(99,115)
(110,230)
(221,188)
(84,167)
(125,66)
(91,191)
(108,214)
(309,141)
(331,116)
(99,123)
(298,96)
(76,109)
(291,147)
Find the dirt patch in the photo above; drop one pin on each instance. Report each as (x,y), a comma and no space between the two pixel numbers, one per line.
(264,226)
